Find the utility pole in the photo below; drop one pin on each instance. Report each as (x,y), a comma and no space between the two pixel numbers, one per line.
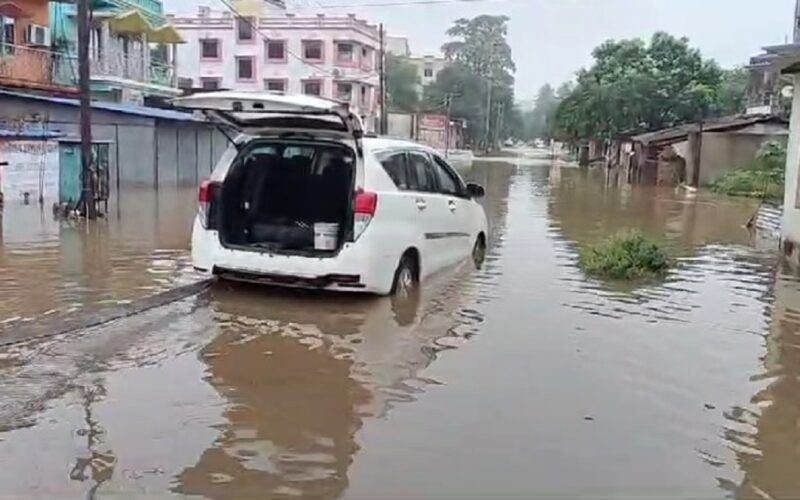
(382,63)
(449,100)
(796,31)
(501,114)
(87,178)
(488,112)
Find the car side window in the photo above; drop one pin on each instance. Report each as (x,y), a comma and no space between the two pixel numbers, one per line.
(395,165)
(421,169)
(449,183)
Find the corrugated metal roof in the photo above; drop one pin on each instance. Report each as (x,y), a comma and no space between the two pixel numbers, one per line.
(681,132)
(113,107)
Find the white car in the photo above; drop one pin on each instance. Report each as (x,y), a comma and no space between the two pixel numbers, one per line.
(302,198)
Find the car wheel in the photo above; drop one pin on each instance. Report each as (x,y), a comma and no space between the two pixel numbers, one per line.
(479,252)
(406,278)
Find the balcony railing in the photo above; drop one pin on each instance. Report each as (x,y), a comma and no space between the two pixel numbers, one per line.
(135,68)
(33,67)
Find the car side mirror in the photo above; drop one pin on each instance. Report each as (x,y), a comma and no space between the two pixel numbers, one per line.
(475,190)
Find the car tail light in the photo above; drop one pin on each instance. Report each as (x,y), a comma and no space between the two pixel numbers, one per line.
(366,203)
(206,197)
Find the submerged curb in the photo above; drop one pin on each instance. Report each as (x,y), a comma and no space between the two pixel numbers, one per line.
(81,321)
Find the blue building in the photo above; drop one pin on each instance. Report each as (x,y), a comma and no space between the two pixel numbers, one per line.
(132,50)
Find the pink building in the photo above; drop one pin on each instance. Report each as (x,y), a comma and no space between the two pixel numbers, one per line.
(333,57)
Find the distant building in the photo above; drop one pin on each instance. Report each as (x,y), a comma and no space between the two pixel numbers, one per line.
(428,68)
(767,89)
(132,49)
(398,46)
(26,57)
(329,56)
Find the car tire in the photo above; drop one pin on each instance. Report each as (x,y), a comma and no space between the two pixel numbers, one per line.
(406,277)
(479,252)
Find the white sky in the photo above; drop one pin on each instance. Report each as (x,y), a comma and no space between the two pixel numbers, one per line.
(551,39)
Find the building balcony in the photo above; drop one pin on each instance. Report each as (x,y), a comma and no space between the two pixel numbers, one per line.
(133,70)
(35,68)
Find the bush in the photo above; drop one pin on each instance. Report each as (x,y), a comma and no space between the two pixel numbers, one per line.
(626,255)
(764,179)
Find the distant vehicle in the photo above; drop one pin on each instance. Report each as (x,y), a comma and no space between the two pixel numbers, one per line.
(302,198)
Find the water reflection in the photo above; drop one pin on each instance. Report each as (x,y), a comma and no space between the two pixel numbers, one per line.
(301,372)
(764,432)
(54,266)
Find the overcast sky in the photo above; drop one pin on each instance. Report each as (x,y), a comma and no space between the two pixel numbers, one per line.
(551,39)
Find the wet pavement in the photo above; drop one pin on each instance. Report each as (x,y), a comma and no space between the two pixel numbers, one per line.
(523,379)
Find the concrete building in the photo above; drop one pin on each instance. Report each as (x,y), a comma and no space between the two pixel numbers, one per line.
(133,49)
(428,68)
(26,58)
(767,90)
(329,56)
(398,46)
(790,234)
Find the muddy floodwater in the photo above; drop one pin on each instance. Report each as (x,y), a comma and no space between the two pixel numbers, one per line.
(523,379)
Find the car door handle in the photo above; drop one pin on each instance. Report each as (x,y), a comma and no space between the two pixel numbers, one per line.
(421,204)
(452,205)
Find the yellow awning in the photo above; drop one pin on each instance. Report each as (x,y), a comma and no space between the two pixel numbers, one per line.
(130,22)
(166,34)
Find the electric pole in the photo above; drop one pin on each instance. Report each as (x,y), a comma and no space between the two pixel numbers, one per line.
(796,32)
(498,126)
(449,101)
(488,113)
(382,65)
(87,177)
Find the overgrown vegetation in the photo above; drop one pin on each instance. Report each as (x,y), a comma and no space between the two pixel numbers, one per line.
(626,255)
(763,179)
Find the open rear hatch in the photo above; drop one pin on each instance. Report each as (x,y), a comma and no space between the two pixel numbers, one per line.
(291,188)
(265,114)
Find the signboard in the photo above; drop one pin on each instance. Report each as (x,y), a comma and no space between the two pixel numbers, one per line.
(433,131)
(32,167)
(433,122)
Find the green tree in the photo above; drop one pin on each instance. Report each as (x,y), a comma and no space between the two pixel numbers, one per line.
(480,45)
(467,94)
(538,121)
(733,91)
(482,63)
(635,87)
(402,82)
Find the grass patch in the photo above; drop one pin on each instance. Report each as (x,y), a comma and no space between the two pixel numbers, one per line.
(626,255)
(763,179)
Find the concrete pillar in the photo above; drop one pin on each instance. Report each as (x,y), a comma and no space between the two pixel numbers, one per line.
(583,156)
(790,231)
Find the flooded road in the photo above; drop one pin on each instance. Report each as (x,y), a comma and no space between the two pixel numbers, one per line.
(523,379)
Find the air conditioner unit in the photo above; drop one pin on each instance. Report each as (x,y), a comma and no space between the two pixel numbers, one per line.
(37,35)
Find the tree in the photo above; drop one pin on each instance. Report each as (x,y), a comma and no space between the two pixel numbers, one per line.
(482,64)
(635,87)
(467,92)
(733,91)
(537,121)
(402,83)
(481,46)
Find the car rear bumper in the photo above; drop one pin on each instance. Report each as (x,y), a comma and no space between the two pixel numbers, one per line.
(356,268)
